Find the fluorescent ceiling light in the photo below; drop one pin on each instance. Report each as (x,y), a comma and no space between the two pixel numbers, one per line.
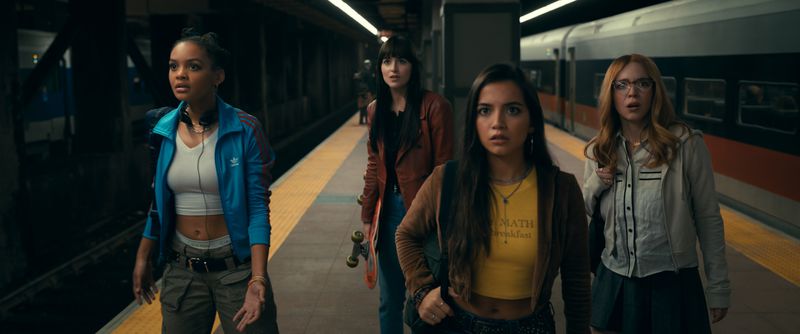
(355,16)
(543,10)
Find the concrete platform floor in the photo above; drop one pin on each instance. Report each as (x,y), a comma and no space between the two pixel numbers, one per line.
(317,293)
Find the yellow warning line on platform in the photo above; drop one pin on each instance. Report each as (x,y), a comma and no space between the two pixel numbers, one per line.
(777,253)
(774,251)
(565,141)
(291,197)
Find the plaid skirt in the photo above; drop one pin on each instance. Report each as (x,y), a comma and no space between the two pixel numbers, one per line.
(666,302)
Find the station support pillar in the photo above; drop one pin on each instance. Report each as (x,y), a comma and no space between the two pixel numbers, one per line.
(103,160)
(475,34)
(11,249)
(99,77)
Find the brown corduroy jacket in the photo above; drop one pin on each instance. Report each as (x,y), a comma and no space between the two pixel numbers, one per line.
(562,243)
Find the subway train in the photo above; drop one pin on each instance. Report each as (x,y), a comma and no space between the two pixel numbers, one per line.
(49,117)
(732,70)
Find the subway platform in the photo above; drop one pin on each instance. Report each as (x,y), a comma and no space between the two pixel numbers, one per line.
(314,212)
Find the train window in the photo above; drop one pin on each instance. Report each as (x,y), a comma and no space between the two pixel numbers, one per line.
(705,98)
(598,82)
(536,78)
(547,77)
(671,85)
(768,105)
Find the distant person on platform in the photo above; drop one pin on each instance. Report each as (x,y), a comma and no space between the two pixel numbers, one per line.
(365,82)
(650,177)
(209,222)
(410,133)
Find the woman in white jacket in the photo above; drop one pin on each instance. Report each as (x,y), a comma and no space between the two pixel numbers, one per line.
(650,177)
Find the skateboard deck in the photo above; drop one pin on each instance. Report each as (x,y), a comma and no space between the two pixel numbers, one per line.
(367,250)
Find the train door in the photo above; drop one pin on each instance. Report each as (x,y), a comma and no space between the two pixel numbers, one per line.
(558,106)
(569,123)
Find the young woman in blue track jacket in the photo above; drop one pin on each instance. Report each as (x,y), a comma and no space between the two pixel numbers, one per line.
(211,186)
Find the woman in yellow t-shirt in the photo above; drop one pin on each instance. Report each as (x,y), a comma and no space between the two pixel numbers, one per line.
(517,220)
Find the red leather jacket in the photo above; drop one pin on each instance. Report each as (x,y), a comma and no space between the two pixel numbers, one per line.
(434,146)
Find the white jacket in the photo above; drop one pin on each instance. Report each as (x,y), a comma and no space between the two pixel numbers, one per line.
(691,212)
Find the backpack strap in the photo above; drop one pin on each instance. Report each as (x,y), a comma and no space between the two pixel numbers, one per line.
(445,200)
(445,214)
(154,141)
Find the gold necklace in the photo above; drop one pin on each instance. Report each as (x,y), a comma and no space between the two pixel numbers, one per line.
(507,198)
(511,180)
(195,131)
(633,144)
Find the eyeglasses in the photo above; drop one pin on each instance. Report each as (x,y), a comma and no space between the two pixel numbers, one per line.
(641,85)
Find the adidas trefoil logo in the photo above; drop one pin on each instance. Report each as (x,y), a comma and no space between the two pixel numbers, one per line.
(234,161)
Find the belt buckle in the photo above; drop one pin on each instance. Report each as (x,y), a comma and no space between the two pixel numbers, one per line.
(192,261)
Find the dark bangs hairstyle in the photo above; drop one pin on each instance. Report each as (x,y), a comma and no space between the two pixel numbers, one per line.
(400,47)
(662,144)
(470,228)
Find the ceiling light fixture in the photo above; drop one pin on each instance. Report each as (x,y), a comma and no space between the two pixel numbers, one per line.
(543,10)
(355,16)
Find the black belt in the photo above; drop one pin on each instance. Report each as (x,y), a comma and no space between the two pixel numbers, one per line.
(540,322)
(207,265)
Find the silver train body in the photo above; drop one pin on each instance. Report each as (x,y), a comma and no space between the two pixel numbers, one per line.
(732,70)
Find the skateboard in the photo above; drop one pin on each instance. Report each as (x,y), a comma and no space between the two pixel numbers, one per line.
(366,250)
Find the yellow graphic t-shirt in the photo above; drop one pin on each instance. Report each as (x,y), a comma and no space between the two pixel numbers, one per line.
(508,270)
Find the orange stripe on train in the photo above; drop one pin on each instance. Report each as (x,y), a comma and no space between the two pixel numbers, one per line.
(767,169)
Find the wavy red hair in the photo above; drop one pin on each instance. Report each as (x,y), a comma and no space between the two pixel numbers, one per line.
(662,143)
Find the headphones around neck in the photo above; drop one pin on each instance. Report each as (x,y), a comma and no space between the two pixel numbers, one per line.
(206,120)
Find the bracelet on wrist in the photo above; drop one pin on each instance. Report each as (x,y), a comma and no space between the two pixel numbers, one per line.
(257,278)
(421,293)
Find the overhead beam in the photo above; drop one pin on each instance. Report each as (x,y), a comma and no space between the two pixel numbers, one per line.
(146,72)
(50,59)
(316,17)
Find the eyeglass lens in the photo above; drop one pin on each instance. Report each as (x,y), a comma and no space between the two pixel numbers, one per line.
(641,84)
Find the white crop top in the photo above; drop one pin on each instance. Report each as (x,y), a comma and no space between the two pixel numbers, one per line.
(192,176)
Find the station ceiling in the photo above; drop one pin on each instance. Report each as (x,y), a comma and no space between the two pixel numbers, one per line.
(405,16)
(400,16)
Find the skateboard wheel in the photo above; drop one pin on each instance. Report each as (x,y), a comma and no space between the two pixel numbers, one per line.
(357,236)
(360,199)
(352,262)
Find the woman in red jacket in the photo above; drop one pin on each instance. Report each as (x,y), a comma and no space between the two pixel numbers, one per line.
(411,132)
